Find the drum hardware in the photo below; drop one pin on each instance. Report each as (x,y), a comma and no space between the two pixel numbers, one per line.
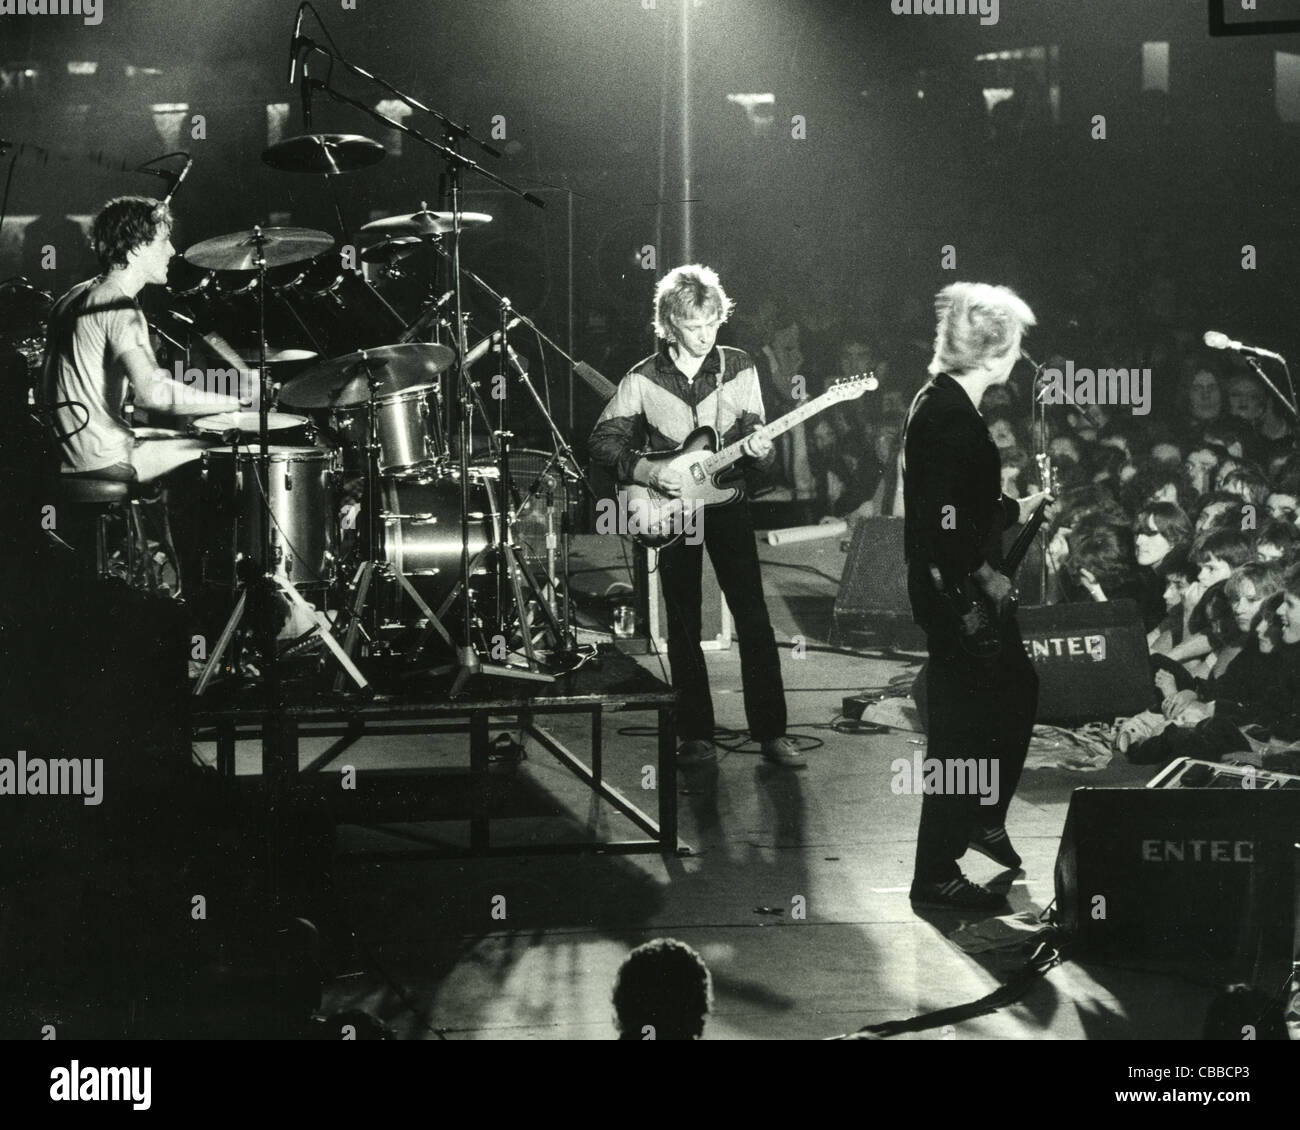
(283,246)
(360,590)
(563,457)
(473,646)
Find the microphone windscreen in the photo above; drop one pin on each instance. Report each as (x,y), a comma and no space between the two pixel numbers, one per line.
(597,383)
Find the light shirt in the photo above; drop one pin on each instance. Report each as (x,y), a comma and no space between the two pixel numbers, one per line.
(92,329)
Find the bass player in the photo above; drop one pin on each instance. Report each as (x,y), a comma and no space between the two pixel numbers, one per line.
(954,515)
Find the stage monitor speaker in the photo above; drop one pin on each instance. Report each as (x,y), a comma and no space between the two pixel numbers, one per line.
(873,587)
(1185,875)
(1091,660)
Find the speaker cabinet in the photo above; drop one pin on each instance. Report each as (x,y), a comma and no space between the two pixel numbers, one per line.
(1091,660)
(1188,875)
(872,599)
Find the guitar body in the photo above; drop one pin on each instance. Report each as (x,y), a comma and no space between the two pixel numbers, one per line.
(979,624)
(661,520)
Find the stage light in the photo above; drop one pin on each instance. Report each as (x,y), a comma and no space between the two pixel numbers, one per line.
(82,68)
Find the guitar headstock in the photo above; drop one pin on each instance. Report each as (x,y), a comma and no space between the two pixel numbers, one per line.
(850,388)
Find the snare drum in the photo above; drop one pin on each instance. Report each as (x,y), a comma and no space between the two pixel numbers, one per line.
(301,494)
(420,531)
(285,428)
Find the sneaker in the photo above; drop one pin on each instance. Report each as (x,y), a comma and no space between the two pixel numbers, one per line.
(996,844)
(696,752)
(781,751)
(959,894)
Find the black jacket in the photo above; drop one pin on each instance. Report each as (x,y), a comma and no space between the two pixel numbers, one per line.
(954,508)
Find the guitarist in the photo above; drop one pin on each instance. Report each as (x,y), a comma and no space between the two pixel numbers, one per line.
(954,514)
(692,381)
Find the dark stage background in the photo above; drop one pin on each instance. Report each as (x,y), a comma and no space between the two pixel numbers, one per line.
(902,155)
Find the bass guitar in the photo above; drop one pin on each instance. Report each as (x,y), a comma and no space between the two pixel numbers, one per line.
(978,621)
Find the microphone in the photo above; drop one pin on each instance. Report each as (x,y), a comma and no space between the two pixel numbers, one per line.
(295,43)
(1216,340)
(179,180)
(487,343)
(304,90)
(599,384)
(162,174)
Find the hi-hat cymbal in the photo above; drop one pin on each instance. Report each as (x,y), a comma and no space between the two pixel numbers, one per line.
(326,153)
(275,355)
(424,223)
(345,381)
(238,252)
(389,251)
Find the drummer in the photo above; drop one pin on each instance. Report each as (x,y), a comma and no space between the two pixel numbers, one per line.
(98,343)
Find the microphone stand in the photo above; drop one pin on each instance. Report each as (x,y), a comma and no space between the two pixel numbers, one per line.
(1290,405)
(563,454)
(1038,429)
(469,660)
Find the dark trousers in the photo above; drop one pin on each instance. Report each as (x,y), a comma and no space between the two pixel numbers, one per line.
(982,709)
(729,536)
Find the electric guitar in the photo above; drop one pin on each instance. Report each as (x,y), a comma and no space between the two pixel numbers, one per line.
(979,624)
(655,519)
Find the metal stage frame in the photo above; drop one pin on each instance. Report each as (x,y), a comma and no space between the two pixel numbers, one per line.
(618,684)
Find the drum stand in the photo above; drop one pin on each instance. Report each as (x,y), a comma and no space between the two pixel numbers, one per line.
(469,661)
(269,578)
(365,574)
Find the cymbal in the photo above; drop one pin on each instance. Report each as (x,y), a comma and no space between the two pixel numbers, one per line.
(238,252)
(275,356)
(389,251)
(327,153)
(344,381)
(424,223)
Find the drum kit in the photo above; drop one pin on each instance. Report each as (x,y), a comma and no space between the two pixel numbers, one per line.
(369,493)
(386,409)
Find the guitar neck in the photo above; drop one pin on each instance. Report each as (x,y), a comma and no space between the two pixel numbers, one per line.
(720,460)
(1020,546)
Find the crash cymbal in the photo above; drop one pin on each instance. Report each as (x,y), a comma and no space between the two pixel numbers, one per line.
(327,153)
(345,380)
(238,252)
(425,223)
(389,251)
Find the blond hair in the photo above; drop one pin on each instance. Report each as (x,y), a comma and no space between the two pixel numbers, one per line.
(685,289)
(978,323)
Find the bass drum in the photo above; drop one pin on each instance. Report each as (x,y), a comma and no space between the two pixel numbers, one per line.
(541,497)
(419,528)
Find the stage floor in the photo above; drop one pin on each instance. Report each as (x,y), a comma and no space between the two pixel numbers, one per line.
(834,835)
(527,946)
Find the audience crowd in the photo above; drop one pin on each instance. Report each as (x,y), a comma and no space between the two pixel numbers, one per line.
(1185,504)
